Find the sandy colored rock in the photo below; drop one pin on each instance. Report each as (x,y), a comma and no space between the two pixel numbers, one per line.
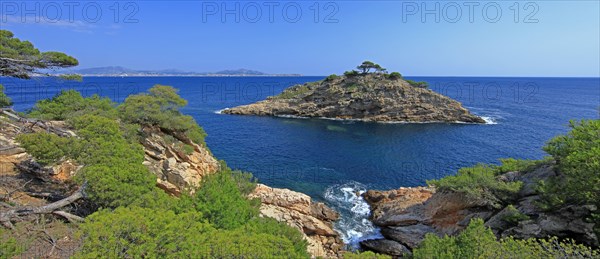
(314,220)
(65,170)
(177,171)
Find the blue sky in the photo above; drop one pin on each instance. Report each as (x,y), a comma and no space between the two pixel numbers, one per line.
(548,38)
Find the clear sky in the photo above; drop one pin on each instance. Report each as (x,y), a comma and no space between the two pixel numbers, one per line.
(544,38)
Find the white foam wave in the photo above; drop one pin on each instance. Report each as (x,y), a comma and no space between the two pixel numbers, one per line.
(491,116)
(354,225)
(221,111)
(489,120)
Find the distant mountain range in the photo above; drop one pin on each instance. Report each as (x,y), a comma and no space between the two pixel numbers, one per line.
(122,71)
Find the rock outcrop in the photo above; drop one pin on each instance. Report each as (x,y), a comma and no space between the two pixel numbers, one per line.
(314,220)
(365,97)
(178,163)
(406,215)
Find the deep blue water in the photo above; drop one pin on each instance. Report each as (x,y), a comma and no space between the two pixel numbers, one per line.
(330,160)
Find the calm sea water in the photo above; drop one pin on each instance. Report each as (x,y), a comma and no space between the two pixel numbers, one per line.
(333,160)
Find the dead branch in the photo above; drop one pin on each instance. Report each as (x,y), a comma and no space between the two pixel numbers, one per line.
(70,217)
(7,217)
(35,122)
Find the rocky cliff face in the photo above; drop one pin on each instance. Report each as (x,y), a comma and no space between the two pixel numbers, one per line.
(178,163)
(406,215)
(369,97)
(314,220)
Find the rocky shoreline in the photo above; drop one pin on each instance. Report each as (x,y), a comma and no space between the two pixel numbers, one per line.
(363,97)
(406,215)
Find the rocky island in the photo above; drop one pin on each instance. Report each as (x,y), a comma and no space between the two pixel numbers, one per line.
(362,95)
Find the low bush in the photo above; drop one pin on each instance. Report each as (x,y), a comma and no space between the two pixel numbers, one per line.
(421,84)
(477,241)
(480,182)
(332,77)
(351,73)
(513,215)
(135,232)
(394,75)
(9,247)
(577,156)
(365,255)
(222,202)
(293,92)
(70,104)
(48,148)
(160,107)
(4,99)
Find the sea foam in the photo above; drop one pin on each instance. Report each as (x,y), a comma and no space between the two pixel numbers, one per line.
(354,225)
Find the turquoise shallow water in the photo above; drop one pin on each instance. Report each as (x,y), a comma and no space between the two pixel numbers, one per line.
(332,160)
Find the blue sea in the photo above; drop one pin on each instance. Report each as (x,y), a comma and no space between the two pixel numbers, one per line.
(334,161)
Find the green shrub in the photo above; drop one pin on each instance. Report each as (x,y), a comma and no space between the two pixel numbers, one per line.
(222,202)
(516,165)
(113,165)
(48,148)
(394,75)
(242,244)
(364,255)
(157,233)
(421,84)
(142,233)
(513,215)
(9,247)
(293,92)
(4,99)
(245,182)
(351,73)
(70,104)
(111,186)
(272,227)
(577,156)
(103,142)
(332,77)
(160,107)
(479,182)
(187,149)
(477,241)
